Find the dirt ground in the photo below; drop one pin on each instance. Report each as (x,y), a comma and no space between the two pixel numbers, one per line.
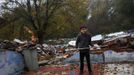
(98,69)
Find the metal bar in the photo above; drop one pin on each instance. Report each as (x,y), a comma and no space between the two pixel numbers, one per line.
(79,48)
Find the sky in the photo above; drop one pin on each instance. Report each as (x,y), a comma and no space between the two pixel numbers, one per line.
(2,1)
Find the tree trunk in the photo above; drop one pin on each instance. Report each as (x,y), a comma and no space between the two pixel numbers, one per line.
(40,36)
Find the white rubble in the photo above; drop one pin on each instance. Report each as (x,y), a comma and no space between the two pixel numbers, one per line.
(97,38)
(72,43)
(19,41)
(115,34)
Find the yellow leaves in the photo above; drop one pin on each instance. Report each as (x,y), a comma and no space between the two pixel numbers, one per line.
(33,13)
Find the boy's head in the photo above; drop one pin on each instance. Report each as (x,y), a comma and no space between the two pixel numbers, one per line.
(83,29)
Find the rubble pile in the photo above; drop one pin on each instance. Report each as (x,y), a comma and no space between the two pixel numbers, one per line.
(56,53)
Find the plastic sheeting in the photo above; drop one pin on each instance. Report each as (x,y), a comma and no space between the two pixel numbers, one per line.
(11,63)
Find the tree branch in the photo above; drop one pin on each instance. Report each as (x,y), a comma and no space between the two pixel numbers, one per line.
(29,8)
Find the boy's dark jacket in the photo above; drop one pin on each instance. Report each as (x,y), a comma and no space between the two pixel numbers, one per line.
(83,40)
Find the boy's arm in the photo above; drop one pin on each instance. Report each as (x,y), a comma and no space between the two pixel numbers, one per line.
(77,41)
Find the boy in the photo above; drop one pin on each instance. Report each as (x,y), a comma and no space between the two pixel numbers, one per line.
(84,41)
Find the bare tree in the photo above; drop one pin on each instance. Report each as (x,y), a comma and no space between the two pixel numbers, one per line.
(36,13)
